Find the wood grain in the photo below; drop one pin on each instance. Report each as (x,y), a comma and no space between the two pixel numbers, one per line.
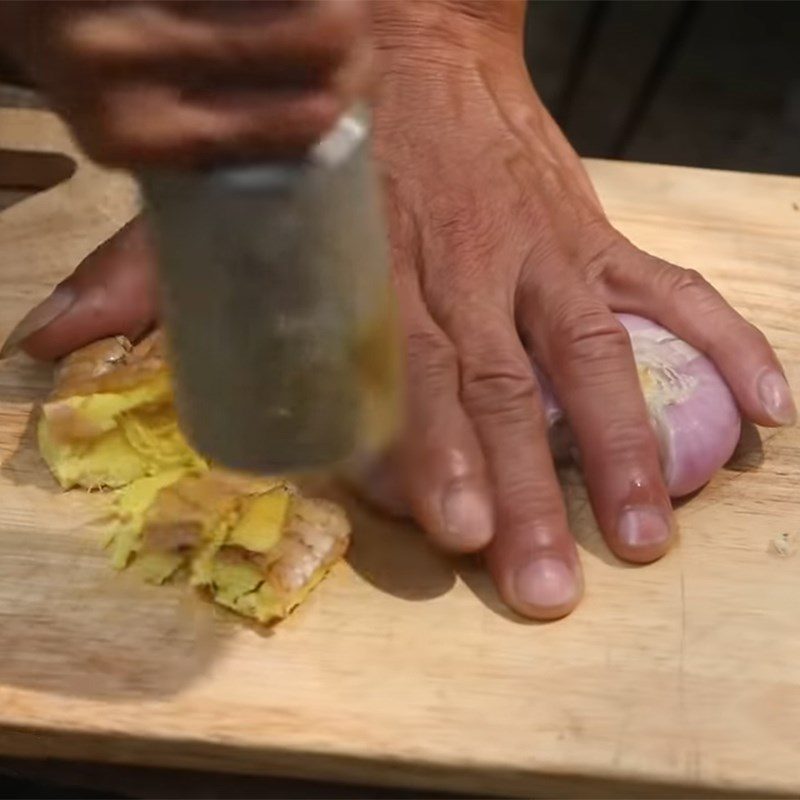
(403,667)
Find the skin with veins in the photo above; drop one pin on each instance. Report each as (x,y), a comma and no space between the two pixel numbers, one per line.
(255,545)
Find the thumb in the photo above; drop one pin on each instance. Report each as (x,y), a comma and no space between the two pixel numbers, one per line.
(111,293)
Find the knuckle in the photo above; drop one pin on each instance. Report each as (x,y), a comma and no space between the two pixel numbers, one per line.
(586,332)
(112,141)
(622,440)
(755,334)
(321,111)
(721,322)
(76,39)
(688,286)
(222,51)
(506,390)
(686,281)
(93,41)
(610,250)
(532,517)
(551,533)
(304,122)
(429,358)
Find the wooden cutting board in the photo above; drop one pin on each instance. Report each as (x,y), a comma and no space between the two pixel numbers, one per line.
(403,668)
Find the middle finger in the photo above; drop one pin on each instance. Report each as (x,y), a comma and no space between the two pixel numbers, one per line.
(532,556)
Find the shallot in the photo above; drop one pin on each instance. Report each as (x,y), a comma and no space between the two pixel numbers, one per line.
(692,410)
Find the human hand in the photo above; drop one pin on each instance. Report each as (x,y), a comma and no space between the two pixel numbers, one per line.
(172,83)
(502,251)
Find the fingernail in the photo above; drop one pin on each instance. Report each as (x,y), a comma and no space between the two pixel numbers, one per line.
(776,397)
(37,318)
(643,527)
(546,583)
(467,518)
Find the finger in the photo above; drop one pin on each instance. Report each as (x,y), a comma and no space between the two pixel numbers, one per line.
(741,352)
(442,462)
(350,80)
(112,292)
(298,41)
(685,303)
(157,124)
(588,356)
(532,557)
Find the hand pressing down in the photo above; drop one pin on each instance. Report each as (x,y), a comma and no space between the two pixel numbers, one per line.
(502,255)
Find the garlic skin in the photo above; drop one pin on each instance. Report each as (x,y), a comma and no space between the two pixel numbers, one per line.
(692,410)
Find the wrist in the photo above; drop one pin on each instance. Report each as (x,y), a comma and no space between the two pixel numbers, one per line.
(412,35)
(449,63)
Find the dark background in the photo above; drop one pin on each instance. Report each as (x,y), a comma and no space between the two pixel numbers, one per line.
(708,84)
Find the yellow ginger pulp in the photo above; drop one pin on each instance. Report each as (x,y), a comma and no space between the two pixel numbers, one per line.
(255,545)
(112,438)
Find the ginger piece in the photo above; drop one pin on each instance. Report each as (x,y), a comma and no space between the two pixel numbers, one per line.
(130,507)
(111,419)
(269,582)
(180,520)
(254,545)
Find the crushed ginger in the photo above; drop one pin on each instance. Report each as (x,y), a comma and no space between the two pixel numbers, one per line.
(255,545)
